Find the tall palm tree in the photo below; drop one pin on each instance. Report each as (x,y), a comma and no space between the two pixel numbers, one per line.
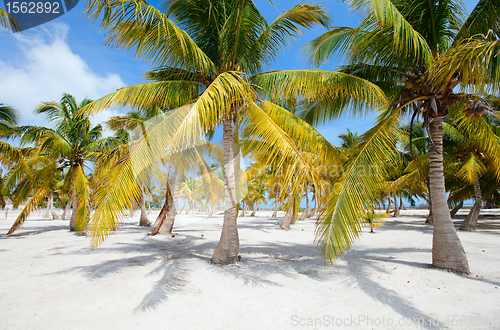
(421,53)
(210,56)
(65,148)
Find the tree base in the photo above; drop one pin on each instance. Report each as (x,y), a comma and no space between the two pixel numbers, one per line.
(228,261)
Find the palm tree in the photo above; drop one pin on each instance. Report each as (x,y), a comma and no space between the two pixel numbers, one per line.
(349,139)
(467,162)
(420,52)
(209,56)
(8,154)
(255,194)
(64,149)
(189,190)
(130,122)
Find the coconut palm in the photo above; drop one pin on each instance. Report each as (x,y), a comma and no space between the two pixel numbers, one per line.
(420,52)
(130,122)
(66,149)
(348,139)
(209,56)
(468,162)
(255,193)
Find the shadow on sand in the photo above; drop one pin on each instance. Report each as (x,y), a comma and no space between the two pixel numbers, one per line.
(258,264)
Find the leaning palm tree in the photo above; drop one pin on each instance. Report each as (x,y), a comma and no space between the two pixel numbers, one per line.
(209,57)
(66,149)
(426,58)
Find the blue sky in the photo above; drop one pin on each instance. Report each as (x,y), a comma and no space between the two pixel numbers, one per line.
(69,55)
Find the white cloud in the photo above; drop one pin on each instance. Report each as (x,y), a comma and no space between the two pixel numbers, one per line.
(45,69)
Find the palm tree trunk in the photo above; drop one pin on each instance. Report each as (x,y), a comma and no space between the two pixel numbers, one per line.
(388,210)
(168,224)
(66,209)
(308,205)
(72,221)
(276,206)
(162,215)
(470,221)
(447,250)
(315,211)
(456,209)
(287,219)
(429,219)
(54,214)
(53,211)
(396,207)
(226,251)
(254,211)
(149,204)
(242,213)
(49,206)
(401,205)
(143,220)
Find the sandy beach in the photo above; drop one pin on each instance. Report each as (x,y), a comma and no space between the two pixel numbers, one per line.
(52,279)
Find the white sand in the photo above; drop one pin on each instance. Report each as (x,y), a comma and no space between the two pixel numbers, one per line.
(51,279)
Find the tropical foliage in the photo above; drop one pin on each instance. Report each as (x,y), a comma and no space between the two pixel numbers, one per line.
(426,58)
(208,58)
(56,164)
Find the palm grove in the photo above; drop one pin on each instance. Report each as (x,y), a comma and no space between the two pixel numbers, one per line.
(431,73)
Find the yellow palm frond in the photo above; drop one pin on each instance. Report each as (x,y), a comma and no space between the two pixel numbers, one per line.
(114,194)
(81,192)
(351,197)
(163,94)
(33,203)
(471,169)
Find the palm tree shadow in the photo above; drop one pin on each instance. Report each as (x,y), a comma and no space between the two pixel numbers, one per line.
(171,281)
(20,233)
(173,255)
(357,263)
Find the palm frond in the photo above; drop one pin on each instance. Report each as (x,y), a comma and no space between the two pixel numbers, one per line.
(476,63)
(134,24)
(162,94)
(81,192)
(351,197)
(330,92)
(33,203)
(115,193)
(6,21)
(406,40)
(483,18)
(471,169)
